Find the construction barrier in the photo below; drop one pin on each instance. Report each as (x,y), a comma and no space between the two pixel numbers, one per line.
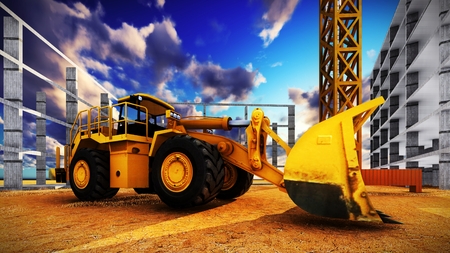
(394,177)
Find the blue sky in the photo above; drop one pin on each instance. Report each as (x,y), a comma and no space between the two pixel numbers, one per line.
(234,51)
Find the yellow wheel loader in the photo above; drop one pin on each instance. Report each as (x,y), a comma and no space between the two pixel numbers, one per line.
(143,143)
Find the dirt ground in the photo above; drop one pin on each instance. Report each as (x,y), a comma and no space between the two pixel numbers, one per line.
(263,220)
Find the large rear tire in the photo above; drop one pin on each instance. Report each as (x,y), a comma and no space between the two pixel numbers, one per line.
(236,183)
(89,175)
(187,172)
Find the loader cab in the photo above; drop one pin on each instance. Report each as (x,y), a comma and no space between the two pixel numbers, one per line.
(142,114)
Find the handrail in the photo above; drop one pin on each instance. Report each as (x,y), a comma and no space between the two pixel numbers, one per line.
(78,119)
(94,122)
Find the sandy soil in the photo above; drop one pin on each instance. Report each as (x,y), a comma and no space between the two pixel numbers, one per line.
(263,220)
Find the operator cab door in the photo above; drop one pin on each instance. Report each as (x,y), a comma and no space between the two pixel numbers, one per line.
(138,122)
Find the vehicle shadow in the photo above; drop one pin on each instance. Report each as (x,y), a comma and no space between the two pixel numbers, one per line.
(145,206)
(297,217)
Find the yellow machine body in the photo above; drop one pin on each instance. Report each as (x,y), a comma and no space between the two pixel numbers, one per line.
(322,172)
(129,164)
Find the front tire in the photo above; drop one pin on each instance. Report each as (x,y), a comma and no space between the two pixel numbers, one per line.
(236,183)
(89,175)
(187,172)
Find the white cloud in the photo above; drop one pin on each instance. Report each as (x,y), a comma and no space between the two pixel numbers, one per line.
(160,3)
(29,130)
(1,121)
(188,110)
(126,43)
(164,93)
(268,35)
(72,48)
(122,76)
(218,84)
(118,92)
(371,53)
(135,84)
(280,12)
(259,79)
(146,30)
(87,89)
(96,65)
(51,145)
(216,109)
(131,38)
(249,67)
(92,44)
(80,10)
(170,29)
(276,64)
(209,91)
(29,161)
(307,105)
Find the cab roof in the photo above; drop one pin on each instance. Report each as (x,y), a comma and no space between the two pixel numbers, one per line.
(154,105)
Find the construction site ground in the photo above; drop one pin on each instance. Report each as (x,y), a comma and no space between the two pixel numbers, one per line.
(263,220)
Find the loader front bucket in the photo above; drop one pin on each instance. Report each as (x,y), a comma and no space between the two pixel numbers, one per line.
(322,173)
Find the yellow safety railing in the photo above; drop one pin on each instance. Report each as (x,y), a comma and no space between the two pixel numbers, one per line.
(91,120)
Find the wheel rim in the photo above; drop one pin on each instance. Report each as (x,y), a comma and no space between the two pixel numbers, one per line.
(177,172)
(81,174)
(230,177)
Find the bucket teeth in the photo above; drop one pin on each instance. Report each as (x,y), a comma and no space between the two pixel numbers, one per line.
(380,213)
(386,218)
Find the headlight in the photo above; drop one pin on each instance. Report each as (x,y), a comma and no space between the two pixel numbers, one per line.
(173,115)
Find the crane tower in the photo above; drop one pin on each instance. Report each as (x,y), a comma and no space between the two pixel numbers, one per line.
(340,61)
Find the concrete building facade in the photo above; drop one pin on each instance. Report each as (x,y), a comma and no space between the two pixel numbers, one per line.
(412,72)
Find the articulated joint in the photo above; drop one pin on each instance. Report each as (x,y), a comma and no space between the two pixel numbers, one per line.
(256,139)
(225,148)
(255,162)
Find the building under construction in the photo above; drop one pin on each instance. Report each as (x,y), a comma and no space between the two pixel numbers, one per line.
(412,72)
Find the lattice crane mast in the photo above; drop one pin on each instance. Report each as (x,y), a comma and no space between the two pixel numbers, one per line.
(340,60)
